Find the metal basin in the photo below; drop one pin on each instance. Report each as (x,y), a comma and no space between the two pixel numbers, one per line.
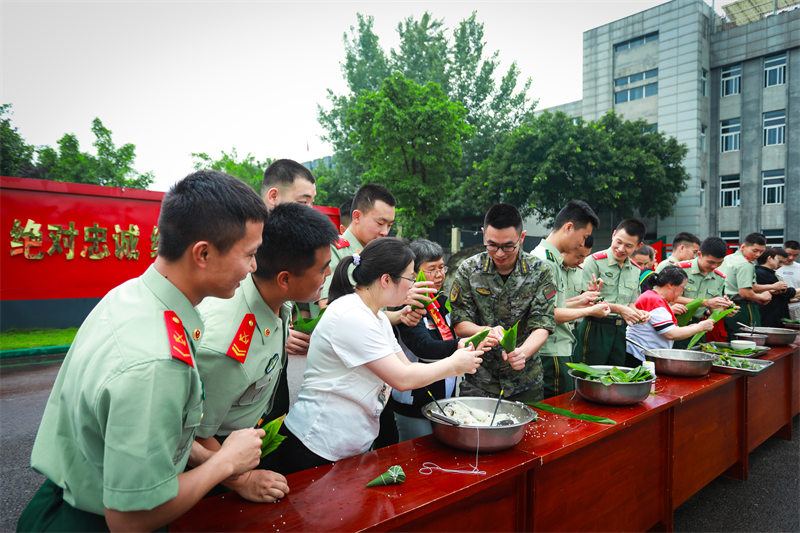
(482,438)
(614,394)
(686,363)
(778,336)
(758,338)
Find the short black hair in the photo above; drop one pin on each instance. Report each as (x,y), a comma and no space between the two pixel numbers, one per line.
(292,235)
(368,194)
(645,250)
(579,213)
(781,252)
(684,237)
(633,227)
(346,210)
(425,251)
(755,238)
(794,245)
(206,206)
(768,252)
(501,216)
(588,242)
(671,275)
(284,172)
(715,247)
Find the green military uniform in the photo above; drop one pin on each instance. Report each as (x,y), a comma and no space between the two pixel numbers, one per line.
(699,285)
(601,341)
(740,274)
(240,359)
(575,284)
(667,262)
(347,245)
(122,414)
(479,295)
(557,351)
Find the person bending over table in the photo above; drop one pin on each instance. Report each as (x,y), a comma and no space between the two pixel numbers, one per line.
(354,361)
(661,329)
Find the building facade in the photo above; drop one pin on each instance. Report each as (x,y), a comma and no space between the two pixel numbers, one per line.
(726,87)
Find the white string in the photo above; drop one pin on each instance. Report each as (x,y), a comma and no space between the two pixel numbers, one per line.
(428,468)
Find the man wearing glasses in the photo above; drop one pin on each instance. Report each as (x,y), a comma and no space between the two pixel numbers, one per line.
(495,290)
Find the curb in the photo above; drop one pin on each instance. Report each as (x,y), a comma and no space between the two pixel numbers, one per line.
(27,352)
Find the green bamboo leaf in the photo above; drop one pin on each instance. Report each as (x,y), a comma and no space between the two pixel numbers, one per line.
(306,325)
(569,414)
(271,441)
(476,339)
(716,316)
(691,309)
(509,341)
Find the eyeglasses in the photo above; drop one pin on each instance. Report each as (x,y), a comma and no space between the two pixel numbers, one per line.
(508,248)
(412,280)
(439,270)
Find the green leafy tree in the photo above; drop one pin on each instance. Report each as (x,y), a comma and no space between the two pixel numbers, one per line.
(425,54)
(16,156)
(408,136)
(615,165)
(333,187)
(248,169)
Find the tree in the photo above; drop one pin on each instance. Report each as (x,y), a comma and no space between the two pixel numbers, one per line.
(15,155)
(425,54)
(408,136)
(622,166)
(111,166)
(333,186)
(249,169)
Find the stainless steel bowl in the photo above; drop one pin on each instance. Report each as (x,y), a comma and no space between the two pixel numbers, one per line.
(778,336)
(686,363)
(482,438)
(614,394)
(758,338)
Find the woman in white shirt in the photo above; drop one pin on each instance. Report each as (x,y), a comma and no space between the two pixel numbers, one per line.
(354,361)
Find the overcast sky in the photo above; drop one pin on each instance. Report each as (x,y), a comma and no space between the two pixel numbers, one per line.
(175,77)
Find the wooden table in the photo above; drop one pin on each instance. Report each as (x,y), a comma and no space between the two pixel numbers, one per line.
(565,474)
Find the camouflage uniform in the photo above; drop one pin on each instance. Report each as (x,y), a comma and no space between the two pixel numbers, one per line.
(557,351)
(601,341)
(699,285)
(740,273)
(480,296)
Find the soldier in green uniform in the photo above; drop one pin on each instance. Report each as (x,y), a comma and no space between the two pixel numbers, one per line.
(740,283)
(684,248)
(574,262)
(705,281)
(243,351)
(601,341)
(572,225)
(497,289)
(120,422)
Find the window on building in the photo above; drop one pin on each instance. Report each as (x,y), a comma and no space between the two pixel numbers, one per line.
(773,182)
(775,69)
(702,138)
(774,237)
(636,93)
(636,41)
(702,194)
(729,190)
(620,97)
(732,80)
(774,127)
(650,89)
(731,238)
(729,131)
(703,82)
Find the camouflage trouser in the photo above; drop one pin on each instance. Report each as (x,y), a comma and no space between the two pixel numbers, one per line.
(556,378)
(533,393)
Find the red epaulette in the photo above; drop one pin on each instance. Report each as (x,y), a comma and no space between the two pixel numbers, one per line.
(685,264)
(634,263)
(600,255)
(580,266)
(342,243)
(241,341)
(719,273)
(178,344)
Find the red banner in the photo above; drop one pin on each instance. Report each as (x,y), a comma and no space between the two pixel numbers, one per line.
(69,240)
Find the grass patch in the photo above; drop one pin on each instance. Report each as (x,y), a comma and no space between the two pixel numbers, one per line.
(16,339)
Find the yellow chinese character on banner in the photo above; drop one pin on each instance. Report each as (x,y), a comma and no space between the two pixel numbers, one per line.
(24,239)
(125,242)
(154,242)
(94,246)
(63,239)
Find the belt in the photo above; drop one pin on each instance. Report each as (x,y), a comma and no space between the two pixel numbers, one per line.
(608,320)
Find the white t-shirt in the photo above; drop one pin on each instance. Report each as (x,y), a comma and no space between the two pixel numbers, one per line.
(791,275)
(337,413)
(650,334)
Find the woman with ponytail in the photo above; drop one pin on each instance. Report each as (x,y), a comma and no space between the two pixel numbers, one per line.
(662,289)
(354,361)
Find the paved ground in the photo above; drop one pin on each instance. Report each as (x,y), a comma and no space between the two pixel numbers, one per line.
(768,501)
